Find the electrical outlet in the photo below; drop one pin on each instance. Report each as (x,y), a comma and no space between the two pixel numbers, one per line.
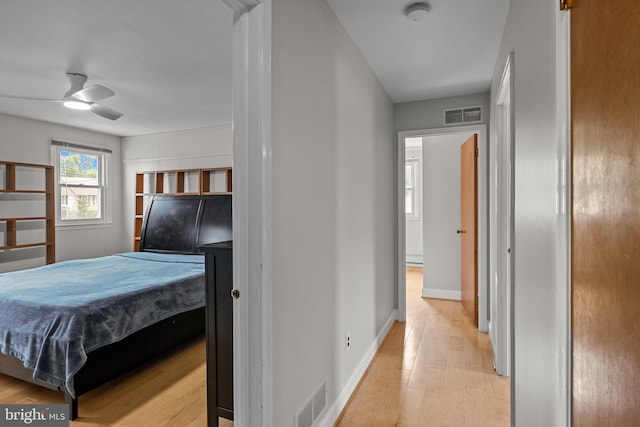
(347,342)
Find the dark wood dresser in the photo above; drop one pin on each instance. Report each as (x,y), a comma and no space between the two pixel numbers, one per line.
(219,315)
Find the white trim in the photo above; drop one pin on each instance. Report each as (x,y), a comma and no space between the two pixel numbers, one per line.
(481,131)
(104,184)
(414,264)
(401,248)
(563,243)
(441,294)
(265,181)
(252,312)
(331,414)
(82,226)
(415,164)
(502,268)
(414,259)
(492,328)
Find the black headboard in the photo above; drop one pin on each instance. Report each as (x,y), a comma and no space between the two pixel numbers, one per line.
(179,224)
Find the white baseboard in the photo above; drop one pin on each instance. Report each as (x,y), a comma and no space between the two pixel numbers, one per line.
(332,413)
(492,335)
(413,259)
(441,294)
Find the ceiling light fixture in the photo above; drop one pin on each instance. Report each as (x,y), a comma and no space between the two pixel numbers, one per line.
(75,104)
(417,11)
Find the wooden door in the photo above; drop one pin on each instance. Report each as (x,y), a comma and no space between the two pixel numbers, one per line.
(605,259)
(468,227)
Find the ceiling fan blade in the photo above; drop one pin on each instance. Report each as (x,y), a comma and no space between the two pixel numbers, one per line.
(105,112)
(93,93)
(28,98)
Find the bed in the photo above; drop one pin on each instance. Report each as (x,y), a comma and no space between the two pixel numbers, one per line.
(74,325)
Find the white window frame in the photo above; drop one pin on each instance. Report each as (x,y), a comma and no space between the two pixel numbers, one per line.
(417,189)
(104,168)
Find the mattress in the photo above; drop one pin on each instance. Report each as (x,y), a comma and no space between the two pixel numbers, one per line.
(52,316)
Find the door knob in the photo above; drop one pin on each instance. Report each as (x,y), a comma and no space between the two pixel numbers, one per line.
(235,293)
(460,231)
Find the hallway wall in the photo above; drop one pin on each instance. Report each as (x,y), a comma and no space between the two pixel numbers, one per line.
(531,34)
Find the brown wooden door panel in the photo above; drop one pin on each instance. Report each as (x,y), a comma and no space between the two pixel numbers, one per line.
(468,227)
(605,264)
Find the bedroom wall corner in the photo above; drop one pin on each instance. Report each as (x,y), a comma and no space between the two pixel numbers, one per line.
(207,147)
(29,141)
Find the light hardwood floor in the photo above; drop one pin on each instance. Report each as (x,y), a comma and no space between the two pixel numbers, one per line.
(170,391)
(434,370)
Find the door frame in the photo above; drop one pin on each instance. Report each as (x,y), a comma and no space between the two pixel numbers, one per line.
(564,201)
(501,214)
(481,131)
(252,214)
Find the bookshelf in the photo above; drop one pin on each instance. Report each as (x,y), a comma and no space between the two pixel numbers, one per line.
(27,188)
(176,182)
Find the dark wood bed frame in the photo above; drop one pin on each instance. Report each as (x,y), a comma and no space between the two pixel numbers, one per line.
(173,224)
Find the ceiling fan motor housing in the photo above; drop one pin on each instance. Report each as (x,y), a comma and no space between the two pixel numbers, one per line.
(77,82)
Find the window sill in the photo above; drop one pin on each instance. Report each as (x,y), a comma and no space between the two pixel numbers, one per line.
(81,225)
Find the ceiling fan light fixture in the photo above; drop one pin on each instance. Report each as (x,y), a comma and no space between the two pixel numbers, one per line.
(417,11)
(75,104)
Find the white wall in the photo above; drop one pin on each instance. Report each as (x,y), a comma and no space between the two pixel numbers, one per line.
(333,207)
(441,181)
(197,148)
(530,33)
(429,114)
(414,247)
(29,141)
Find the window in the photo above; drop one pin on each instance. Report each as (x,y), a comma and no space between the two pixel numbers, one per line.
(81,174)
(411,188)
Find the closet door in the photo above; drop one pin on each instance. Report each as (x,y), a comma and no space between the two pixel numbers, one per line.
(605,110)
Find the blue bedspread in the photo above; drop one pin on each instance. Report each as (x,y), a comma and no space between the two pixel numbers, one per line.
(52,316)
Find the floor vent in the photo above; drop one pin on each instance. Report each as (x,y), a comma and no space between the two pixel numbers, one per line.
(312,408)
(462,115)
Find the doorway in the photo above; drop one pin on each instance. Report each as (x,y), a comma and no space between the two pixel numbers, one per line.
(430,165)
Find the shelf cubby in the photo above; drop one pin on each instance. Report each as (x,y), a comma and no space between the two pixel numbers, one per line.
(27,179)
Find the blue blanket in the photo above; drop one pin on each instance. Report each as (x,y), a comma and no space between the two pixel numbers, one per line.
(52,316)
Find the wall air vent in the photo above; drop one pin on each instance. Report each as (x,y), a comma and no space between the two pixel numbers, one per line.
(308,414)
(462,115)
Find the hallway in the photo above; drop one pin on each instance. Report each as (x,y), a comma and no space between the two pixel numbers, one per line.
(434,370)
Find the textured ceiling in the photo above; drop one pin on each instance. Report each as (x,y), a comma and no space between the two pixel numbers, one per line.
(169,62)
(451,52)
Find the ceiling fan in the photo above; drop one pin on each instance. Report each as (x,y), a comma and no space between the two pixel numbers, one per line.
(79,97)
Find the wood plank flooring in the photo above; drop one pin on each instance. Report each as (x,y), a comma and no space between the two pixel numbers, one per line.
(169,391)
(434,370)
